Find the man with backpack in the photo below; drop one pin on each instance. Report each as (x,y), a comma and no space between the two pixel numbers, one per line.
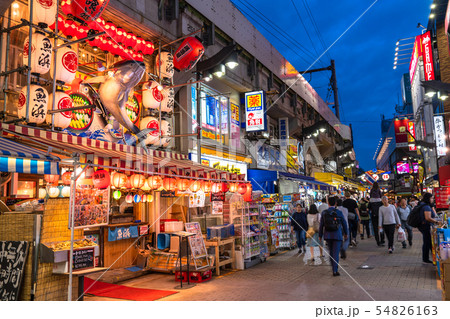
(333,229)
(365,218)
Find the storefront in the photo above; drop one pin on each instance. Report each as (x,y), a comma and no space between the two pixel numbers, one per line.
(340,183)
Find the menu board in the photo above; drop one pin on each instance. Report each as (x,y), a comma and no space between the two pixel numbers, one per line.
(83,258)
(91,207)
(13,256)
(217,208)
(197,244)
(442,195)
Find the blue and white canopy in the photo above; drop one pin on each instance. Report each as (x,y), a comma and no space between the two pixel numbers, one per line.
(18,158)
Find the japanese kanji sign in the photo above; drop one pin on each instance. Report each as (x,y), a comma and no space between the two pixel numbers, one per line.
(255,111)
(439,134)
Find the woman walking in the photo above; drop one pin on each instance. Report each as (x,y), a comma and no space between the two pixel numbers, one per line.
(403,211)
(374,205)
(388,221)
(428,218)
(313,219)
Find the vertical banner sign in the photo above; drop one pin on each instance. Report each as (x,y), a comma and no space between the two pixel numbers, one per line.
(427,53)
(283,125)
(255,111)
(439,133)
(411,136)
(401,133)
(416,53)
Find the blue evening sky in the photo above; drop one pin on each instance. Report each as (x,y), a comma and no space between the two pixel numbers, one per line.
(368,85)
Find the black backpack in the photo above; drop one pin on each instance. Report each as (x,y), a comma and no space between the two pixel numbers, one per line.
(331,220)
(363,210)
(414,218)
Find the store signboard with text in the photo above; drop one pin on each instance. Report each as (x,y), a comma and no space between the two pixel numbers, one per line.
(401,132)
(439,134)
(427,53)
(235,167)
(255,111)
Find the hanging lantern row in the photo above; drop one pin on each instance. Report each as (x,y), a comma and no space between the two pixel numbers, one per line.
(116,40)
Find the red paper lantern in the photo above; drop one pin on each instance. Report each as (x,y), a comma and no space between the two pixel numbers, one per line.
(155,182)
(88,10)
(130,42)
(188,54)
(65,7)
(170,183)
(62,101)
(224,187)
(242,188)
(248,193)
(118,180)
(140,46)
(149,48)
(183,184)
(121,35)
(137,181)
(97,24)
(52,179)
(110,29)
(61,22)
(71,28)
(128,183)
(66,65)
(66,178)
(101,179)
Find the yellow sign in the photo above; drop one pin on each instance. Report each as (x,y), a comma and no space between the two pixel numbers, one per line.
(208,135)
(227,168)
(235,114)
(205,162)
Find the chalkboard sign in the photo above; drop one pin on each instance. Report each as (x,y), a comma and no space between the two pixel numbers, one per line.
(217,197)
(167,193)
(13,256)
(83,258)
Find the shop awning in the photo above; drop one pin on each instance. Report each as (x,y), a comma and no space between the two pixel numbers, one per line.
(108,153)
(19,158)
(311,181)
(336,180)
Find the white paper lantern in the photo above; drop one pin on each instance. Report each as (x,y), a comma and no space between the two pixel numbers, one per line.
(151,95)
(62,101)
(38,104)
(66,65)
(144,198)
(42,193)
(151,122)
(53,192)
(41,53)
(129,198)
(166,62)
(65,191)
(168,100)
(44,11)
(166,129)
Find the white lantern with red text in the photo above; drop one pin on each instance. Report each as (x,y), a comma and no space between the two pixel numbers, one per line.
(62,101)
(37,111)
(188,54)
(164,65)
(152,95)
(41,53)
(166,132)
(168,100)
(66,65)
(151,122)
(44,12)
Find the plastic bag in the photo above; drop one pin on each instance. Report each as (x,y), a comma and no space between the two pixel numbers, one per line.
(401,235)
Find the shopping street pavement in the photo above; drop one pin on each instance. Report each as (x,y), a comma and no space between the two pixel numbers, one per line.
(290,276)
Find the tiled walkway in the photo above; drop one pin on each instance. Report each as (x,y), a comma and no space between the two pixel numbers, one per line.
(290,276)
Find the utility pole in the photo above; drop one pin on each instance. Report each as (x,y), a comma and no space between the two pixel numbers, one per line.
(331,68)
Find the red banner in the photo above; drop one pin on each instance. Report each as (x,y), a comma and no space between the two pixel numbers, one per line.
(401,132)
(427,54)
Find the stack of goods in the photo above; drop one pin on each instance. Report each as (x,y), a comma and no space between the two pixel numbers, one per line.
(283,225)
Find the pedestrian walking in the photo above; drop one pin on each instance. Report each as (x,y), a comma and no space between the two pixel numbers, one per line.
(300,224)
(333,229)
(374,206)
(353,217)
(365,218)
(346,242)
(323,206)
(313,219)
(388,221)
(427,216)
(403,211)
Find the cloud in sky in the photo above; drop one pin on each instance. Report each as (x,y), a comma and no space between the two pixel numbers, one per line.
(368,85)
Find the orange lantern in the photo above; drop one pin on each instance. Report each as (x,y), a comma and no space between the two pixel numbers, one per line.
(216,188)
(146,186)
(242,188)
(248,193)
(137,181)
(183,184)
(155,182)
(118,180)
(196,186)
(101,179)
(170,183)
(224,187)
(66,177)
(51,179)
(128,183)
(207,185)
(233,187)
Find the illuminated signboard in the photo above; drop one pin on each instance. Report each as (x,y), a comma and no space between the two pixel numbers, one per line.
(411,136)
(439,134)
(427,54)
(401,134)
(416,53)
(255,111)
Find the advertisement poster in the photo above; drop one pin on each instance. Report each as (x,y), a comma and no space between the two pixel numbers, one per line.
(217,208)
(255,115)
(442,195)
(91,207)
(401,132)
(197,199)
(197,244)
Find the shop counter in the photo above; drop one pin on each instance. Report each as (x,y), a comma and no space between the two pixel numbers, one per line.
(220,243)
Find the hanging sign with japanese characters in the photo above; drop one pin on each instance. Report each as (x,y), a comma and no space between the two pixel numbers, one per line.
(439,133)
(255,111)
(13,258)
(427,53)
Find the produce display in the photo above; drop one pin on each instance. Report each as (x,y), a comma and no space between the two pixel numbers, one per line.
(65,245)
(81,119)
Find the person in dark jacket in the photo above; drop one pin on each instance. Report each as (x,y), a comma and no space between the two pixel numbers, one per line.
(428,218)
(299,223)
(374,206)
(334,238)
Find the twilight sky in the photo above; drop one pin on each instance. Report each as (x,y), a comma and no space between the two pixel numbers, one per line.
(367,84)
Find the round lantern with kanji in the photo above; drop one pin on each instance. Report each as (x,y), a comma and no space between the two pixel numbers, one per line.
(188,54)
(153,123)
(168,101)
(51,179)
(37,111)
(164,65)
(101,179)
(170,183)
(152,95)
(41,53)
(137,181)
(155,182)
(62,101)
(118,180)
(66,65)
(88,10)
(44,12)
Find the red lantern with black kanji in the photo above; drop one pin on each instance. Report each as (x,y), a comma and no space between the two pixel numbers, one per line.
(137,180)
(188,54)
(88,10)
(101,179)
(155,182)
(170,183)
(242,188)
(66,178)
(52,179)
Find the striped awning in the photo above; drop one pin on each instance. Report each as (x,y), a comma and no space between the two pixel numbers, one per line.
(19,158)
